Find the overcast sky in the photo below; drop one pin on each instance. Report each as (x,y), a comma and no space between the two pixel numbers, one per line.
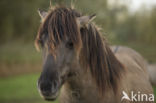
(135,4)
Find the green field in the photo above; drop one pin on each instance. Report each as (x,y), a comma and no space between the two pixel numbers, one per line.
(20,89)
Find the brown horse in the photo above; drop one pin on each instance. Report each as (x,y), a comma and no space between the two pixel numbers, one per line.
(79,63)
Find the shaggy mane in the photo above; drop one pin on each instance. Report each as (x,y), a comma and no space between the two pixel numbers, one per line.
(95,54)
(58,27)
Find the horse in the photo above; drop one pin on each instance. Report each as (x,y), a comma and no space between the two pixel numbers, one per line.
(79,66)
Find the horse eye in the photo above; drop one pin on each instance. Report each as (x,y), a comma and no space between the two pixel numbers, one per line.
(69,45)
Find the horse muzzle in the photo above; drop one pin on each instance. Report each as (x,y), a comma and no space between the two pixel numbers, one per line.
(49,90)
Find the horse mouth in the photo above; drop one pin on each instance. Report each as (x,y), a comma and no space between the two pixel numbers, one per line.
(50,97)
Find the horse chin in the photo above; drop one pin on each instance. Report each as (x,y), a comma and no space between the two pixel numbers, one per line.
(51,98)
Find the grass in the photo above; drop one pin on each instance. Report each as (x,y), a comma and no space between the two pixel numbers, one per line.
(19,52)
(20,89)
(17,57)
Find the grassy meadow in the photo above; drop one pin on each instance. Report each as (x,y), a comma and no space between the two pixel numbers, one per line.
(20,89)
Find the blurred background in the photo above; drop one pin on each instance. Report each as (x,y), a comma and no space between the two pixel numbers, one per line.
(130,23)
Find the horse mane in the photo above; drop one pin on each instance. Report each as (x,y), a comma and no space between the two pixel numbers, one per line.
(99,58)
(95,53)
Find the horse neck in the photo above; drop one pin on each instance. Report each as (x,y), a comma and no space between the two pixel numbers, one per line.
(80,88)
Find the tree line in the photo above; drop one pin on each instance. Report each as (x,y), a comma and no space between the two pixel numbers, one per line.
(19,19)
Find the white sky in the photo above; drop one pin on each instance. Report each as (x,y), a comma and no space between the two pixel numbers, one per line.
(135,4)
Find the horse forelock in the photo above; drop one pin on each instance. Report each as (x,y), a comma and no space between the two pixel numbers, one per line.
(95,53)
(60,25)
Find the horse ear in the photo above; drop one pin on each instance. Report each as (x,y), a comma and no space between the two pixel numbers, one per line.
(42,13)
(84,20)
